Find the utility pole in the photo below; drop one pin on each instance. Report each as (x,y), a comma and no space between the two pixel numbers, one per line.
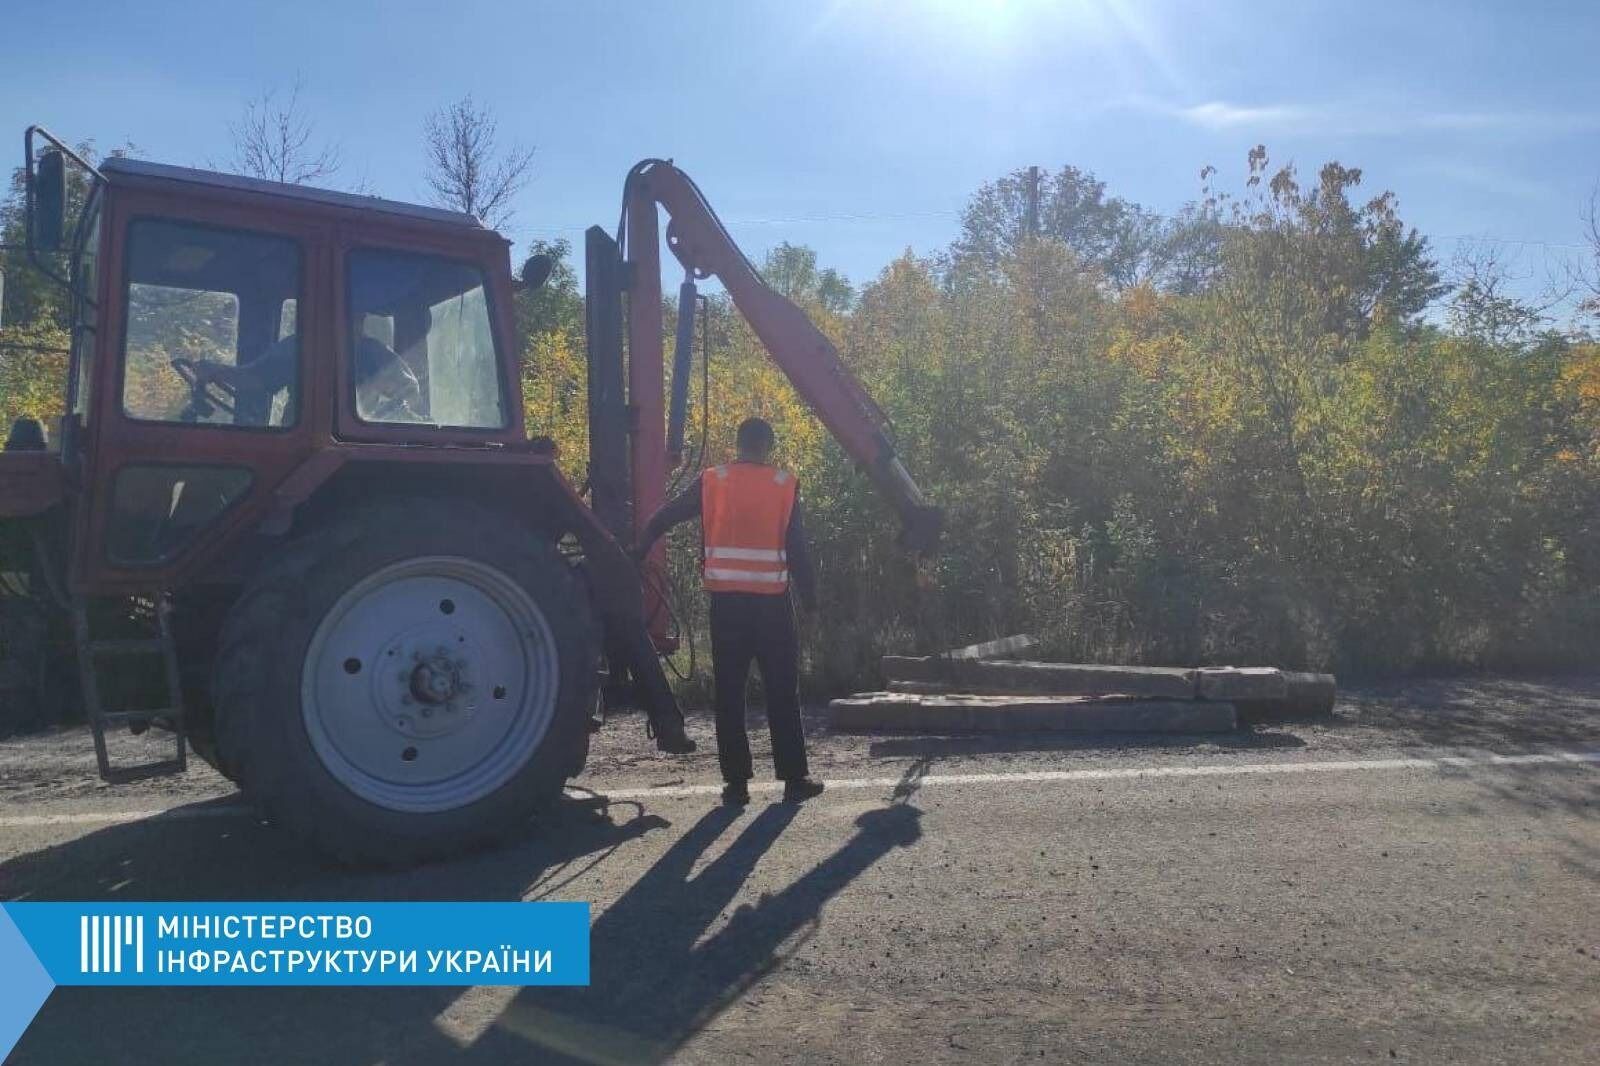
(1033,202)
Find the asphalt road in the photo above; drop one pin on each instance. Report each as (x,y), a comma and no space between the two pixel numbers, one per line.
(1418,880)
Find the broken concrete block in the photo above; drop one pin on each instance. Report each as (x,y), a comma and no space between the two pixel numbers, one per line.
(927,688)
(996,678)
(1241,683)
(1004,648)
(890,711)
(1305,696)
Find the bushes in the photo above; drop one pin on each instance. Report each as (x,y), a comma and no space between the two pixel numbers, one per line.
(1248,433)
(1281,462)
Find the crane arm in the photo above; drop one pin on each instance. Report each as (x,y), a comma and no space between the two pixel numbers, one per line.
(810,361)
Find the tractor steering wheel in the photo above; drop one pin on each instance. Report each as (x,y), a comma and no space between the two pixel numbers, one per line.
(387,407)
(202,377)
(390,391)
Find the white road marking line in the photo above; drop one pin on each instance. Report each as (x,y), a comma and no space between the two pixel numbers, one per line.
(1443,762)
(1114,774)
(168,814)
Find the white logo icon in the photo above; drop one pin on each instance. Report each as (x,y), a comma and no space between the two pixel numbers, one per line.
(104,938)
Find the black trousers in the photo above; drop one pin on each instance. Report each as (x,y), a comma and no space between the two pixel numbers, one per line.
(750,627)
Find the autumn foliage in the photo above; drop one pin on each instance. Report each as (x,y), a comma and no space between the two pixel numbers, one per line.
(1264,430)
(1288,457)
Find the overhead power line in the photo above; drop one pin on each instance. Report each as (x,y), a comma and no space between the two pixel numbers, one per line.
(870,217)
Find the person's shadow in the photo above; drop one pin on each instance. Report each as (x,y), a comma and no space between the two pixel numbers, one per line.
(198,856)
(656,981)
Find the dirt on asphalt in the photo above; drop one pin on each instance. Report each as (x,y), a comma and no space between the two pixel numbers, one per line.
(1464,715)
(1411,914)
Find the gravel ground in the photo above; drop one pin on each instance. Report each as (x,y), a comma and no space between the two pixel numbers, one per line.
(1235,908)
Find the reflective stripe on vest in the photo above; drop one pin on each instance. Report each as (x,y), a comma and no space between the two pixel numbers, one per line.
(745,511)
(758,555)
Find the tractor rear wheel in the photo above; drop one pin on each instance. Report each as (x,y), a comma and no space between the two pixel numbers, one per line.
(409,681)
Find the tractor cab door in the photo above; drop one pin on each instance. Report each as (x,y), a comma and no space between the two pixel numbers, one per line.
(202,400)
(425,338)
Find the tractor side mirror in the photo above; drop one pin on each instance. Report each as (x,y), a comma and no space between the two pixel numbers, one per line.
(48,202)
(536,271)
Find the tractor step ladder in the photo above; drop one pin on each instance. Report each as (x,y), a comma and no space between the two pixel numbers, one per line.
(90,654)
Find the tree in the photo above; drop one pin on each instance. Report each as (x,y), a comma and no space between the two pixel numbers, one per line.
(557,304)
(1113,235)
(33,373)
(1185,259)
(467,169)
(1481,308)
(792,270)
(274,140)
(1356,263)
(31,298)
(1586,276)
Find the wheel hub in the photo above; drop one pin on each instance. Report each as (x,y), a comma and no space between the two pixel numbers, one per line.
(429,691)
(429,683)
(438,680)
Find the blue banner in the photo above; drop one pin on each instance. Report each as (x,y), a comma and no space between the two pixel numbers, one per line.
(226,944)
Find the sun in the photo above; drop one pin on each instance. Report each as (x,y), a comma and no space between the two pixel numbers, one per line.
(995,19)
(990,35)
(990,25)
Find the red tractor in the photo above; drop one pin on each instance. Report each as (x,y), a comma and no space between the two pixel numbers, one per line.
(294,443)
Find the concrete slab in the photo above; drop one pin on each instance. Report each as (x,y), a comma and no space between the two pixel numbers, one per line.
(1241,683)
(1305,696)
(1071,679)
(1004,648)
(929,688)
(904,712)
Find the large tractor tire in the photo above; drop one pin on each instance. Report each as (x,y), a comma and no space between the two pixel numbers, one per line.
(406,681)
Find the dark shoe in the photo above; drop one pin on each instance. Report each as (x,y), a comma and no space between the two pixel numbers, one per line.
(736,794)
(801,789)
(671,739)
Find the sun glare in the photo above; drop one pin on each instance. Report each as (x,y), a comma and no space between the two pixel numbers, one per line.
(995,25)
(996,19)
(1005,25)
(1123,33)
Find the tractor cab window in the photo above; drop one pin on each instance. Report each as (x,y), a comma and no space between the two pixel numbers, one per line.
(421,343)
(211,326)
(85,311)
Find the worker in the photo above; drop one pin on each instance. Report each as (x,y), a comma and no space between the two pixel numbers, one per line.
(755,542)
(387,389)
(27,435)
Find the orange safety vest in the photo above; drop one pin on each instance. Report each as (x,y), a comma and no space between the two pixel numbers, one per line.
(744,510)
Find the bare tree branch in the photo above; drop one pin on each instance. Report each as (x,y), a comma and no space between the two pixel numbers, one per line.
(1483,305)
(467,170)
(1586,276)
(274,140)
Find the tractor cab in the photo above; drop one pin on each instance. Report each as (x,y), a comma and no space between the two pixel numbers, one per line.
(224,329)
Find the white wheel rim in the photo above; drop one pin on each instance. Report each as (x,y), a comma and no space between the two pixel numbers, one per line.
(429,684)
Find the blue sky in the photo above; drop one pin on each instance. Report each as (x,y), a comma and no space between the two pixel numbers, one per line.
(860,126)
